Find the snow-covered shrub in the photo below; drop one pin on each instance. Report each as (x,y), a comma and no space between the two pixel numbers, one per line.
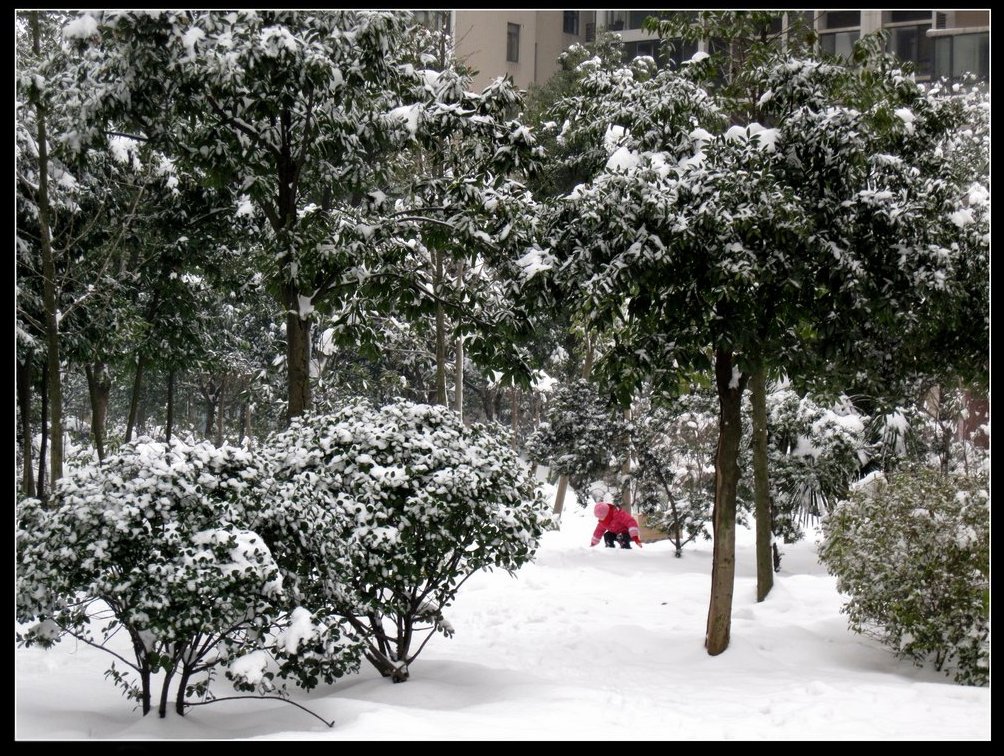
(380,515)
(675,472)
(912,552)
(583,438)
(154,542)
(815,453)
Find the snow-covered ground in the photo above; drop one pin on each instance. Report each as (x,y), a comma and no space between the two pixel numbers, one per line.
(585,644)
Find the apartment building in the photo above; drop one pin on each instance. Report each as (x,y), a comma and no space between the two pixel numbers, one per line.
(526,43)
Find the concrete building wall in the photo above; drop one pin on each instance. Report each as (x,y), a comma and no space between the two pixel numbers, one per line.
(481,38)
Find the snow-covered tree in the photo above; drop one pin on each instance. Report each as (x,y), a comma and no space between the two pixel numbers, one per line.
(305,114)
(378,516)
(583,437)
(675,474)
(694,251)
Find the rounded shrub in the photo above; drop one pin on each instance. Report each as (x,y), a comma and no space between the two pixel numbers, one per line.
(912,553)
(379,515)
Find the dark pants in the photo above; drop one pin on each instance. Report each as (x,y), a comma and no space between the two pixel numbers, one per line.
(611,539)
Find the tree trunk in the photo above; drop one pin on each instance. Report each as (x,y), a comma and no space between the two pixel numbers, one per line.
(515,416)
(44,444)
(24,407)
(48,284)
(219,411)
(761,490)
(146,692)
(458,379)
(559,497)
(137,387)
(179,701)
(723,566)
(245,421)
(169,425)
(165,693)
(297,358)
(99,388)
(440,331)
(211,394)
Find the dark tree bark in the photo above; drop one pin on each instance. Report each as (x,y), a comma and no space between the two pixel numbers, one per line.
(515,416)
(99,386)
(43,446)
(137,388)
(458,380)
(723,568)
(761,490)
(219,411)
(297,358)
(169,425)
(24,408)
(211,393)
(48,282)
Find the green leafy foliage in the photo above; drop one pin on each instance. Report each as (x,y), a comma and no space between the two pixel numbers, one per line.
(154,542)
(912,553)
(584,437)
(380,515)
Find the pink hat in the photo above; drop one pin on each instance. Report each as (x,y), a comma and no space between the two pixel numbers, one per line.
(601,510)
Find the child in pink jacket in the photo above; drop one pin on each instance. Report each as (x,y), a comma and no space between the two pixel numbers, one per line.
(615,526)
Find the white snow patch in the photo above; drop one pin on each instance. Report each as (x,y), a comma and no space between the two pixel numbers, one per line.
(734,381)
(408,114)
(301,629)
(623,160)
(536,261)
(962,217)
(907,117)
(614,136)
(305,306)
(251,667)
(82,27)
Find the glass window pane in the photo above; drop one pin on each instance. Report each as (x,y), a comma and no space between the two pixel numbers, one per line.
(908,15)
(943,57)
(840,19)
(570,22)
(637,16)
(912,43)
(840,43)
(971,54)
(512,43)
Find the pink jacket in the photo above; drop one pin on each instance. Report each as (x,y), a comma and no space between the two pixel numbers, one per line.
(616,521)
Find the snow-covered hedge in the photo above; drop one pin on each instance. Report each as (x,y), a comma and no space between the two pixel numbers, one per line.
(912,552)
(380,515)
(154,542)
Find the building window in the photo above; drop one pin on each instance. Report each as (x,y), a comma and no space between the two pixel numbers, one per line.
(840,43)
(590,32)
(512,43)
(637,17)
(616,20)
(570,23)
(911,43)
(841,19)
(898,16)
(962,53)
